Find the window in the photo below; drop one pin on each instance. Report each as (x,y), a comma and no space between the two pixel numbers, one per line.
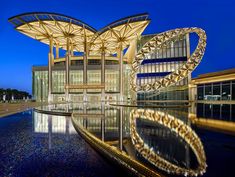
(226,91)
(208,109)
(216,111)
(233,91)
(225,114)
(200,92)
(216,92)
(199,110)
(233,112)
(208,92)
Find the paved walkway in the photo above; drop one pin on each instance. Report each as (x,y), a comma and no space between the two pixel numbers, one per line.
(12,108)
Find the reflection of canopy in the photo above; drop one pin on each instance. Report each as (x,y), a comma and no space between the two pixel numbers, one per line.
(43,26)
(119,32)
(46,26)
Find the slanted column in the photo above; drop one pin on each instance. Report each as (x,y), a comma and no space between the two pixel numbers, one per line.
(67,65)
(85,54)
(103,73)
(57,54)
(72,48)
(50,64)
(120,55)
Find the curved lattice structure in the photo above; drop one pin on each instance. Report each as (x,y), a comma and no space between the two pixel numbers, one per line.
(179,127)
(44,27)
(159,41)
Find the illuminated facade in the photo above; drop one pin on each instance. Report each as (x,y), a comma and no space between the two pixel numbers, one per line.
(112,63)
(157,65)
(214,94)
(161,63)
(40,77)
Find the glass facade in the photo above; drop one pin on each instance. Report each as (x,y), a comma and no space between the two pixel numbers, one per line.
(40,83)
(156,65)
(216,91)
(159,64)
(58,81)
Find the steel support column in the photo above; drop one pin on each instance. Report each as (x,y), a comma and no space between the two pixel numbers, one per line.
(67,64)
(121,71)
(50,64)
(57,51)
(71,51)
(85,69)
(103,73)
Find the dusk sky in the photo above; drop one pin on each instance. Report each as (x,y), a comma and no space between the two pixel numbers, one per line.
(19,52)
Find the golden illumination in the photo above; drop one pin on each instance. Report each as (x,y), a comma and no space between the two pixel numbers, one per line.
(181,129)
(159,41)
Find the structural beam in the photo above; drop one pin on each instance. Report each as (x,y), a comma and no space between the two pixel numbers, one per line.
(72,48)
(57,54)
(85,54)
(103,72)
(120,55)
(67,64)
(50,64)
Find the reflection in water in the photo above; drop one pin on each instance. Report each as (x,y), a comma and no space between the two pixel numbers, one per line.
(177,126)
(146,137)
(44,123)
(38,145)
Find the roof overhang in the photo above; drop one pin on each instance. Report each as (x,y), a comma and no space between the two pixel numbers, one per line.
(57,28)
(121,32)
(44,26)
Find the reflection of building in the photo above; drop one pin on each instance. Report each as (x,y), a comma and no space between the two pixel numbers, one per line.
(161,63)
(215,94)
(50,124)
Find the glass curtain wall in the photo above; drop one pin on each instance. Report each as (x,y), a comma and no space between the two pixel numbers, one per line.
(160,63)
(216,91)
(40,85)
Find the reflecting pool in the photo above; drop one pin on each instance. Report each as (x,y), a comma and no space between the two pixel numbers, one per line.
(152,137)
(156,139)
(39,145)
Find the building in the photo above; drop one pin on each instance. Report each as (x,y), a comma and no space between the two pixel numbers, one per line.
(98,63)
(159,64)
(214,94)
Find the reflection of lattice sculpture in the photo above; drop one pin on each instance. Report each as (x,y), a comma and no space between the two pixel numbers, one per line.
(177,126)
(159,41)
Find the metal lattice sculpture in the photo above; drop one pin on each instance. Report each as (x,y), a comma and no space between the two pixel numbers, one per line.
(177,126)
(156,43)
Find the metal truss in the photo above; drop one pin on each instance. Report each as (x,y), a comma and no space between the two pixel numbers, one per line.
(159,41)
(50,26)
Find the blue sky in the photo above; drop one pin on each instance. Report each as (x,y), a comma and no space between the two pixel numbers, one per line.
(19,53)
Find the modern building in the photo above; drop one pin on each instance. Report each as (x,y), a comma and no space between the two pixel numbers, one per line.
(214,94)
(161,63)
(97,64)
